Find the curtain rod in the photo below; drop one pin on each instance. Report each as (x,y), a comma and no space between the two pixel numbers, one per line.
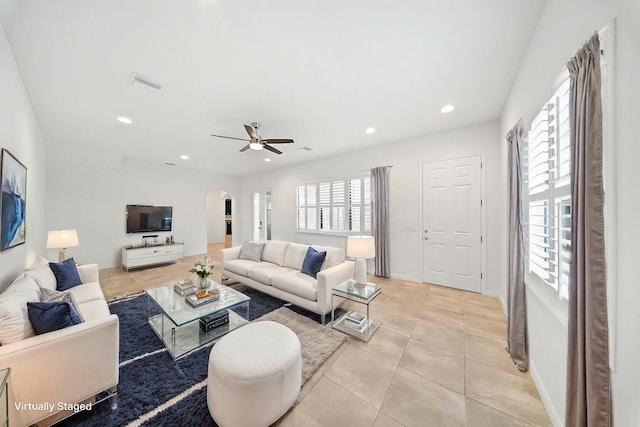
(368,170)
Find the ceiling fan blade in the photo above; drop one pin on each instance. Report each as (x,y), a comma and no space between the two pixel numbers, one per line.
(278,141)
(251,132)
(245,148)
(231,137)
(270,148)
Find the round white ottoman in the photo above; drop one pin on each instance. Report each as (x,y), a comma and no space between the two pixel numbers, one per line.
(255,373)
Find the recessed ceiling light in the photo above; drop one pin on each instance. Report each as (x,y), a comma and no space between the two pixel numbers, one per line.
(184,157)
(267,159)
(447,108)
(125,120)
(370,130)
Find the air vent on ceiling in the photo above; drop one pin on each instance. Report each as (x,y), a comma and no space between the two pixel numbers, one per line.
(169,164)
(145,81)
(305,148)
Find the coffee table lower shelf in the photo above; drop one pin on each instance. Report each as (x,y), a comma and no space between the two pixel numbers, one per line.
(181,340)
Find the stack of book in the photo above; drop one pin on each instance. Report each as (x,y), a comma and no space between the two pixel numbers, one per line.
(356,321)
(185,289)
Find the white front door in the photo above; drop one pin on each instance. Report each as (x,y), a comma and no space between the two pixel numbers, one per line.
(451,219)
(261,214)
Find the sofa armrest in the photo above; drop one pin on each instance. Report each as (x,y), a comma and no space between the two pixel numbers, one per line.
(329,278)
(88,273)
(68,365)
(230,253)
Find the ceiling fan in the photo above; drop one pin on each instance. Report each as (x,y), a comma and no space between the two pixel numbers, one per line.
(256,142)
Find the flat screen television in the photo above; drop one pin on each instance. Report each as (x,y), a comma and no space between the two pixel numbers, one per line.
(145,219)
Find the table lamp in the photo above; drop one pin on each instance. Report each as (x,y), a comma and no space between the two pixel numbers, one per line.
(361,248)
(62,239)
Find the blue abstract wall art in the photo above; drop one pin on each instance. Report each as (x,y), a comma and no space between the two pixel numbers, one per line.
(13,202)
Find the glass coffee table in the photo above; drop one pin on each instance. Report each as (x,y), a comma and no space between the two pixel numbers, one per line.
(348,322)
(178,323)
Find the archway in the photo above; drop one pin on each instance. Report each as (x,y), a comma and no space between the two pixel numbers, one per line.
(220,217)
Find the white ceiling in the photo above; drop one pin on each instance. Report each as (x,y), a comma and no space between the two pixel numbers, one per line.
(319,72)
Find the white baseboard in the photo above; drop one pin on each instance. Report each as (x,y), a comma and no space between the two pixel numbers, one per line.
(408,278)
(544,396)
(503,303)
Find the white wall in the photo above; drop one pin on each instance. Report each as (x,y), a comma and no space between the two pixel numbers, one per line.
(93,201)
(216,227)
(561,30)
(20,134)
(406,157)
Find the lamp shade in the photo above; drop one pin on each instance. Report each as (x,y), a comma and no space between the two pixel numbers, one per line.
(62,239)
(361,247)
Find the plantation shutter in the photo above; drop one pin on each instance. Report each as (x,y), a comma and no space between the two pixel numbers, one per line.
(549,200)
(337,205)
(324,195)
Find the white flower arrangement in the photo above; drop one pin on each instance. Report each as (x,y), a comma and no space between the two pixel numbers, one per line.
(202,269)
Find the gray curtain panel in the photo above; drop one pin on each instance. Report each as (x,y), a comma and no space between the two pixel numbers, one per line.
(517,305)
(380,181)
(588,386)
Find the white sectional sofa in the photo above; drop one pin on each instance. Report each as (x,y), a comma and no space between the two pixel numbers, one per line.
(278,273)
(66,366)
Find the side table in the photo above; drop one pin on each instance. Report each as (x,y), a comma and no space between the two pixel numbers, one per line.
(363,295)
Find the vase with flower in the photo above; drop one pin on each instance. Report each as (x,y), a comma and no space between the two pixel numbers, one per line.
(203,269)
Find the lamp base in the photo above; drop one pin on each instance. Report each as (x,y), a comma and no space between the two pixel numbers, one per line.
(361,272)
(62,255)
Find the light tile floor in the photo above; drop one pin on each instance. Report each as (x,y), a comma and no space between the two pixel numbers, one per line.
(437,360)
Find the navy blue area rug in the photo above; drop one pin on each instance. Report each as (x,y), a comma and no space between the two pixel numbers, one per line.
(155,390)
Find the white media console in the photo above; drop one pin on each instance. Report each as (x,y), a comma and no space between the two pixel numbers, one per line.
(143,256)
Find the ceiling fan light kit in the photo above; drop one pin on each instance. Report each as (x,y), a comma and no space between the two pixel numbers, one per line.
(256,142)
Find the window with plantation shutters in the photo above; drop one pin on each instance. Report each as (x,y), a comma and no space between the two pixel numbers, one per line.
(549,193)
(342,205)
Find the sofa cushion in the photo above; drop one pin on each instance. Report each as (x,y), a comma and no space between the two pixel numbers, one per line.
(66,274)
(87,292)
(51,316)
(47,295)
(334,257)
(43,276)
(14,317)
(265,271)
(95,309)
(313,261)
(295,255)
(240,266)
(296,283)
(274,251)
(251,251)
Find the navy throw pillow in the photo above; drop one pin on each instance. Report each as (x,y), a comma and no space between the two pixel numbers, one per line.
(51,316)
(66,274)
(313,262)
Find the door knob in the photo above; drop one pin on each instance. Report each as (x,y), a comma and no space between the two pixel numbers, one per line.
(426,238)
(426,231)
